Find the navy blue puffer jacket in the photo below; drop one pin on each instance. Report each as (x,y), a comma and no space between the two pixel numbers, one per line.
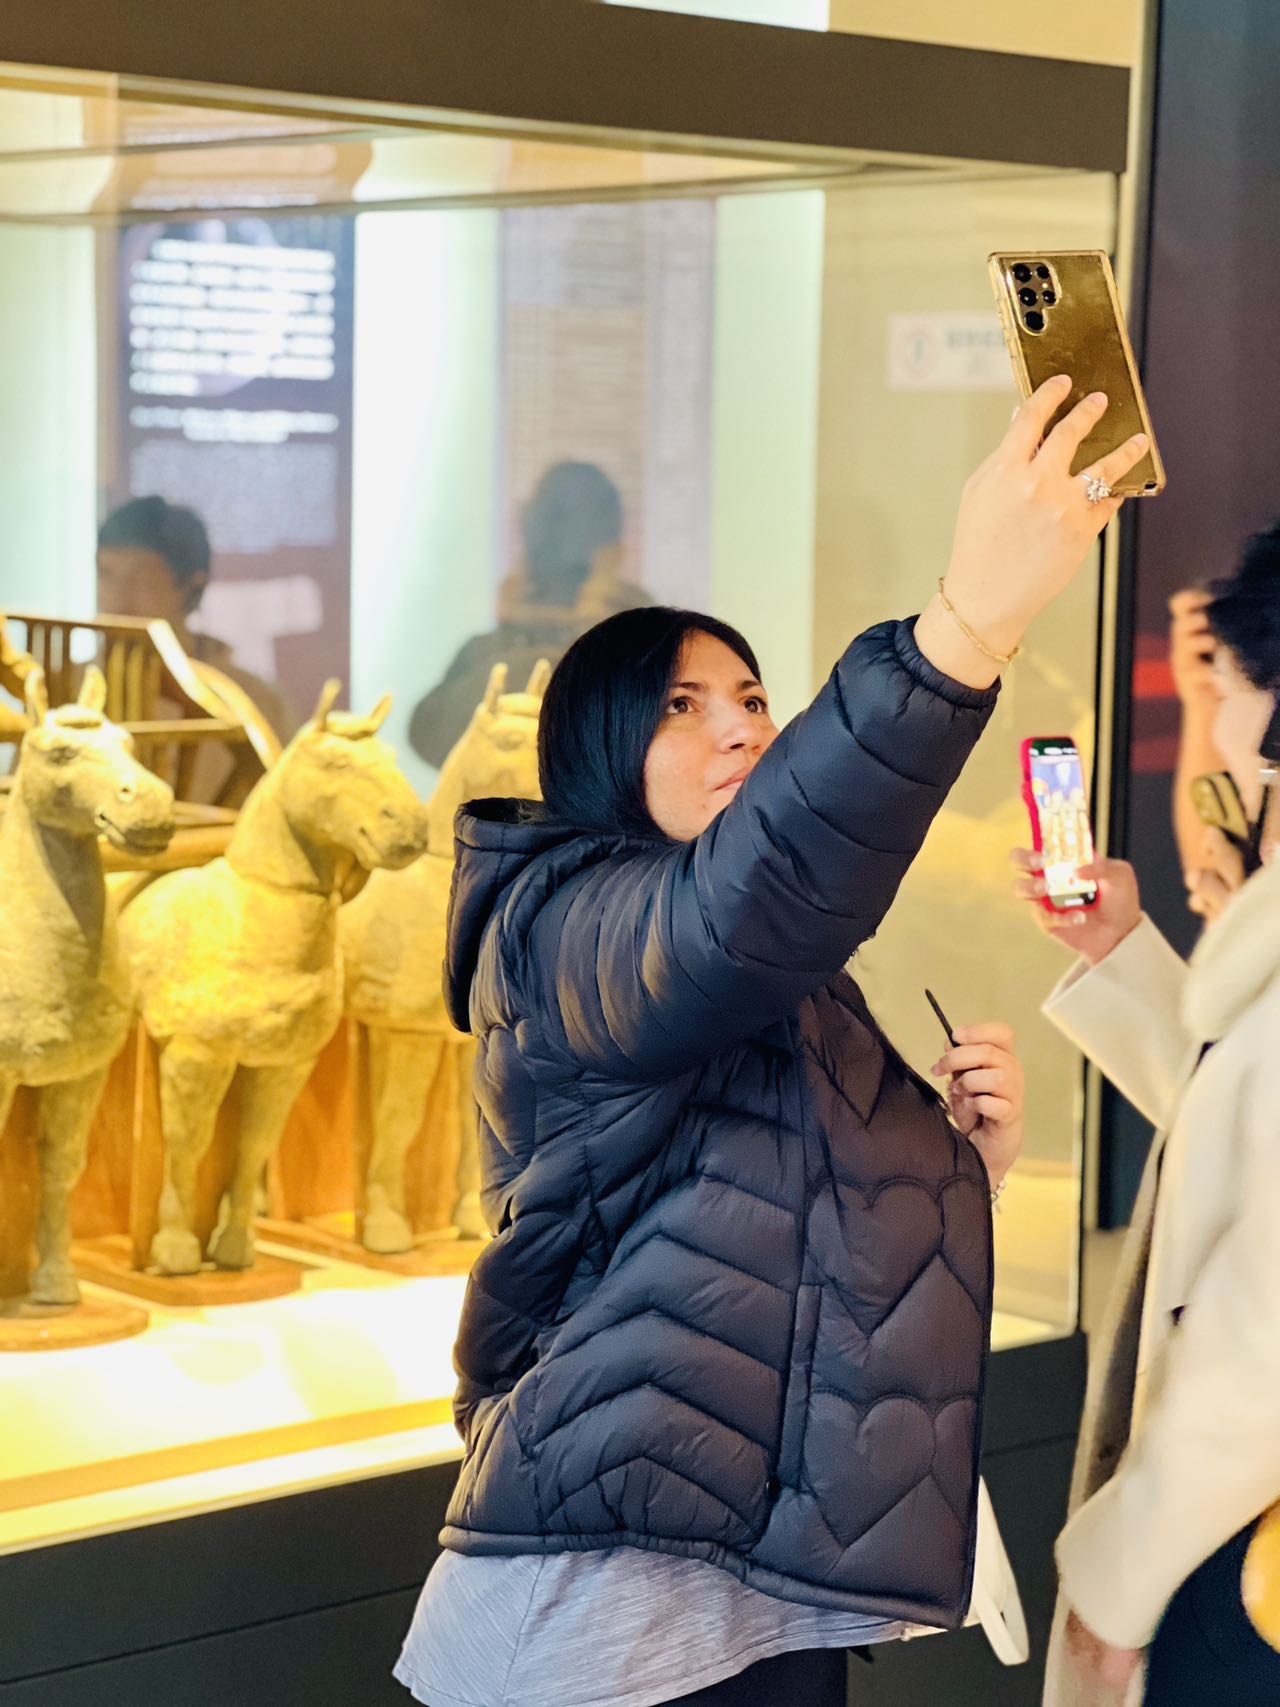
(739,1299)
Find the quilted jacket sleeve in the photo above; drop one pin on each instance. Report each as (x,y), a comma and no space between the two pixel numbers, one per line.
(658,959)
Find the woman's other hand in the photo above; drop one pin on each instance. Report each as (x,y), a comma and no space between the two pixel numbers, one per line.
(1090,931)
(1024,527)
(1215,877)
(1191,652)
(987,1094)
(1102,1666)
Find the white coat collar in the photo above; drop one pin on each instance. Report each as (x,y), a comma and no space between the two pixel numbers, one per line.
(1237,958)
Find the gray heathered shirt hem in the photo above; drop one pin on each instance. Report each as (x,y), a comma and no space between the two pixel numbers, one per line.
(614,1628)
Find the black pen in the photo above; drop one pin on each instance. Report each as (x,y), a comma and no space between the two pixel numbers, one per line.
(943,1021)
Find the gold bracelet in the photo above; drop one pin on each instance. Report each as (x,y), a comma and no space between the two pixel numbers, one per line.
(1001,658)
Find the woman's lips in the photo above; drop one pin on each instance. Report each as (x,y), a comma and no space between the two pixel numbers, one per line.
(733,782)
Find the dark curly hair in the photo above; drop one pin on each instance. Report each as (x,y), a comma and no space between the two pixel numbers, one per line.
(1245,612)
(172,532)
(574,512)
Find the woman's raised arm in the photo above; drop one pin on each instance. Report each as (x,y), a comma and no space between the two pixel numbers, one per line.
(656,962)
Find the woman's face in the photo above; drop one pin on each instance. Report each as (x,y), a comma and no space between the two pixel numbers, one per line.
(713,734)
(136,582)
(1243,715)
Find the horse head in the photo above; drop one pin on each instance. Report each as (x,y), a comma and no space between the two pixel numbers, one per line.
(340,787)
(78,774)
(497,756)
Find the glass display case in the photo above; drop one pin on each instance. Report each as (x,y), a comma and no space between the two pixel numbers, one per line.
(442,398)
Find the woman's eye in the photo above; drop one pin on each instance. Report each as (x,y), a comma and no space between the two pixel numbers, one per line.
(680,704)
(757,704)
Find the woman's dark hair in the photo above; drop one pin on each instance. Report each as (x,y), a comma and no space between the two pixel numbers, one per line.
(172,532)
(575,511)
(603,707)
(1245,613)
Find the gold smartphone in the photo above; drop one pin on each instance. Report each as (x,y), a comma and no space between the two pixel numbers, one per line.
(1061,314)
(1218,804)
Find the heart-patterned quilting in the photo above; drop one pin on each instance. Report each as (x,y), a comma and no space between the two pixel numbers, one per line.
(890,1451)
(887,1241)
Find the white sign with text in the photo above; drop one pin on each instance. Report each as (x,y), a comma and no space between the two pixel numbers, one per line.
(959,351)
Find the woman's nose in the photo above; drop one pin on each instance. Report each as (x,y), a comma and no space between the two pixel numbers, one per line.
(738,728)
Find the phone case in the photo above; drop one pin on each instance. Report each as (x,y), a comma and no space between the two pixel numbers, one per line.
(1218,804)
(1029,800)
(1065,317)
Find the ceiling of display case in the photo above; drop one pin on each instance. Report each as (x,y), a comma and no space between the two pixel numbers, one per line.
(78,149)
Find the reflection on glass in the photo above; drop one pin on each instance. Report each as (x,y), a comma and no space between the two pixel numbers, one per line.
(154,561)
(910,404)
(426,441)
(568,579)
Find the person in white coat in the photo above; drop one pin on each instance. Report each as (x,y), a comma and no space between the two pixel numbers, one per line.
(1180,1448)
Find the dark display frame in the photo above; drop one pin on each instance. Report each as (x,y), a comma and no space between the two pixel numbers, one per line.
(582,67)
(304,1601)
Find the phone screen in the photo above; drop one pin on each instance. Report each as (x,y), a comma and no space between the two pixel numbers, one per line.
(1066,839)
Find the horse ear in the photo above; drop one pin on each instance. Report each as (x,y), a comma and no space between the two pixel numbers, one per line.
(93,690)
(378,716)
(36,694)
(328,699)
(496,687)
(539,679)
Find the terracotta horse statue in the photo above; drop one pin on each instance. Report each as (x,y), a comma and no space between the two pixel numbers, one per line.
(393,944)
(237,965)
(65,999)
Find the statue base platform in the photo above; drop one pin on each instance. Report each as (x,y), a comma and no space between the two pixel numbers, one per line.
(25,1326)
(109,1262)
(334,1236)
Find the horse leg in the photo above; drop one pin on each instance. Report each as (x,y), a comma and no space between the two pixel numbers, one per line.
(15,1260)
(66,1114)
(402,1069)
(193,1083)
(468,1217)
(266,1096)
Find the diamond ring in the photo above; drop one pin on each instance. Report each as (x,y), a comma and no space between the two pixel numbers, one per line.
(1096,489)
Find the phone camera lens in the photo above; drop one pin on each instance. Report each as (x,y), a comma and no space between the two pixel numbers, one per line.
(1022,273)
(1027,297)
(1050,297)
(1035,321)
(1042,272)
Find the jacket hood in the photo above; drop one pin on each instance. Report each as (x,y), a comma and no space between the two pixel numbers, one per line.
(1237,958)
(496,842)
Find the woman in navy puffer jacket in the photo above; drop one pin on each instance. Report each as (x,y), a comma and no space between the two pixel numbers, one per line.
(721,1367)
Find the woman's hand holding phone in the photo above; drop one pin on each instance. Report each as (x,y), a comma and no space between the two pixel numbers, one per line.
(1092,932)
(1217,875)
(1024,528)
